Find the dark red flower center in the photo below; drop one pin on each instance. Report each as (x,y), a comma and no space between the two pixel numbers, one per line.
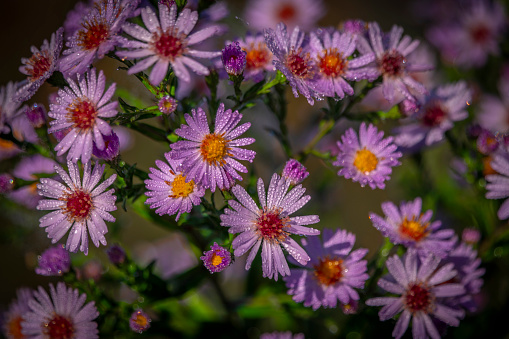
(329,271)
(79,204)
(299,65)
(257,56)
(480,34)
(433,115)
(93,34)
(392,63)
(272,225)
(413,229)
(332,64)
(168,44)
(82,114)
(59,328)
(418,298)
(287,12)
(14,328)
(38,65)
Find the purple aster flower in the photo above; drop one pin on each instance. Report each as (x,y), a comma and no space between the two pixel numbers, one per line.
(439,110)
(351,307)
(74,17)
(355,27)
(420,290)
(261,14)
(293,61)
(209,158)
(97,36)
(368,158)
(9,109)
(6,183)
(167,104)
(81,107)
(55,261)
(331,52)
(471,236)
(167,42)
(13,323)
(487,142)
(111,147)
(168,190)
(269,225)
(258,57)
(80,205)
(234,59)
(295,172)
(498,184)
(493,109)
(139,321)
(36,115)
(63,315)
(40,66)
(332,273)
(216,259)
(413,229)
(282,335)
(116,254)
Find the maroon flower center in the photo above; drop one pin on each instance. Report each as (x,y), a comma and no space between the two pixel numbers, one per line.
(272,225)
(299,65)
(38,65)
(79,204)
(287,12)
(418,298)
(257,57)
(82,114)
(329,271)
(332,64)
(480,34)
(434,115)
(392,63)
(14,328)
(59,328)
(93,34)
(168,44)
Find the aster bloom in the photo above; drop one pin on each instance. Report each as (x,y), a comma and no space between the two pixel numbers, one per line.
(332,273)
(216,259)
(293,60)
(139,321)
(471,236)
(258,56)
(63,315)
(111,147)
(368,158)
(40,66)
(234,59)
(81,107)
(168,190)
(420,289)
(295,172)
(167,104)
(8,107)
(413,229)
(209,158)
(498,184)
(269,225)
(166,43)
(13,321)
(487,142)
(36,115)
(97,36)
(80,205)
(55,261)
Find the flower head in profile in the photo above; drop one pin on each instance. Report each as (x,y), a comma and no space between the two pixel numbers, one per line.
(80,107)
(420,288)
(209,159)
(81,206)
(269,225)
(367,158)
(13,326)
(258,56)
(332,273)
(498,183)
(61,314)
(169,191)
(111,147)
(166,42)
(55,261)
(216,259)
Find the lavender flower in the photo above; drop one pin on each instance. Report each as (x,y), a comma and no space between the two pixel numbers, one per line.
(167,43)
(168,190)
(216,259)
(80,205)
(269,225)
(471,236)
(420,290)
(6,183)
(407,226)
(209,158)
(367,159)
(116,254)
(295,172)
(13,323)
(111,147)
(487,142)
(55,261)
(40,66)
(167,105)
(234,59)
(36,115)
(81,107)
(74,17)
(498,184)
(64,315)
(333,272)
(10,109)
(258,57)
(139,321)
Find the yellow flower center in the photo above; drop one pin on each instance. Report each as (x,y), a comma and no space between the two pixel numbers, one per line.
(214,148)
(413,229)
(365,160)
(216,259)
(329,271)
(141,320)
(180,188)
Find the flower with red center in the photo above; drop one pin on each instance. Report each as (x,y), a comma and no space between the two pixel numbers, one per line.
(422,290)
(269,225)
(79,206)
(81,107)
(258,57)
(406,225)
(217,259)
(139,321)
(332,273)
(13,318)
(209,158)
(166,42)
(62,314)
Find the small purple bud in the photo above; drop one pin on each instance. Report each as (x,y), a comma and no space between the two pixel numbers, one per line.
(234,59)
(6,183)
(36,115)
(295,172)
(116,254)
(217,259)
(139,321)
(55,261)
(167,104)
(487,142)
(471,236)
(409,107)
(351,307)
(111,147)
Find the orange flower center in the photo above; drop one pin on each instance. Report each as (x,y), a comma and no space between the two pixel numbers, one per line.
(332,64)
(216,259)
(257,57)
(329,271)
(365,161)
(413,229)
(141,320)
(180,188)
(214,148)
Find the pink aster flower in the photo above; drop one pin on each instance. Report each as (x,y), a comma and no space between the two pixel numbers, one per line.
(81,107)
(168,190)
(406,225)
(217,259)
(139,321)
(420,289)
(498,184)
(209,158)
(258,57)
(40,66)
(332,273)
(81,205)
(368,158)
(63,315)
(13,318)
(9,109)
(166,43)
(269,225)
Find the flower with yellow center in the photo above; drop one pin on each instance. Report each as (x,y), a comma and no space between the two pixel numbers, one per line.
(180,188)
(214,148)
(365,161)
(413,229)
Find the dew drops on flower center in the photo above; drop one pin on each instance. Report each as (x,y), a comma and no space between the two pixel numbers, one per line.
(418,298)
(168,44)
(392,63)
(329,271)
(59,328)
(82,114)
(79,204)
(38,65)
(332,63)
(271,225)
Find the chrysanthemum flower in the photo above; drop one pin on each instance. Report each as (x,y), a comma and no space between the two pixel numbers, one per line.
(9,108)
(421,289)
(168,190)
(498,184)
(209,158)
(81,205)
(258,57)
(40,66)
(64,315)
(293,59)
(368,158)
(13,317)
(55,261)
(333,272)
(406,225)
(81,107)
(216,259)
(269,225)
(166,42)
(139,321)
